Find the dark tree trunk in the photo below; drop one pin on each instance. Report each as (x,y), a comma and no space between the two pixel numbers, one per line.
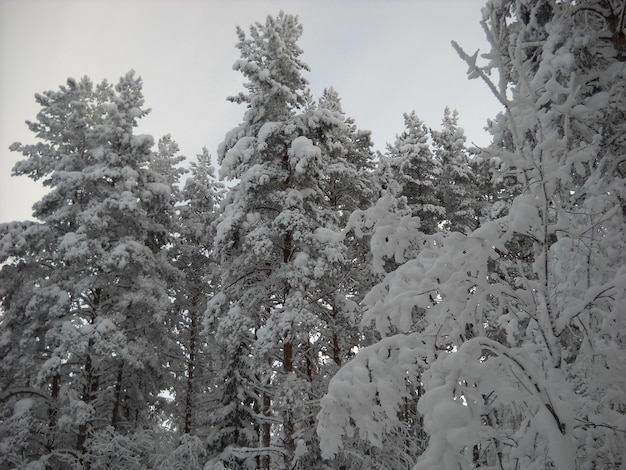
(191,365)
(265,433)
(55,386)
(90,388)
(115,413)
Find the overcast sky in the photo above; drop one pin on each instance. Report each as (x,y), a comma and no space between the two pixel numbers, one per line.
(384,58)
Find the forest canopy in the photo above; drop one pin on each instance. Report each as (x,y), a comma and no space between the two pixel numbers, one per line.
(431,306)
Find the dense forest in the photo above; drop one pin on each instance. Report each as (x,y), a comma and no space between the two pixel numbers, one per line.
(313,303)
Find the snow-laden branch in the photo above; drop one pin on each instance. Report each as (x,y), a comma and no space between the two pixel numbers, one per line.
(366,393)
(483,378)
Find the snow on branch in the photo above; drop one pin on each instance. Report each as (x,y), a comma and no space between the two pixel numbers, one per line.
(303,154)
(485,392)
(474,72)
(394,233)
(366,393)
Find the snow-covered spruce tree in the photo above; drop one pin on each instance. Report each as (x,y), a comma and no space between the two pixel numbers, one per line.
(282,264)
(202,196)
(348,185)
(84,289)
(418,173)
(193,362)
(391,230)
(455,183)
(166,160)
(255,237)
(343,272)
(524,349)
(349,160)
(188,361)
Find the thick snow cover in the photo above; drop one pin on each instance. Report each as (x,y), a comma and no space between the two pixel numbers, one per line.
(433,306)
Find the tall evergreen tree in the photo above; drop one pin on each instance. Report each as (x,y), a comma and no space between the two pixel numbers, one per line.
(349,160)
(286,283)
(265,231)
(455,186)
(418,173)
(83,329)
(194,361)
(202,195)
(348,185)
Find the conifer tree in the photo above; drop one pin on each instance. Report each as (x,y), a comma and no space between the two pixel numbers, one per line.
(285,274)
(348,185)
(347,179)
(418,173)
(202,195)
(84,327)
(193,362)
(455,190)
(265,231)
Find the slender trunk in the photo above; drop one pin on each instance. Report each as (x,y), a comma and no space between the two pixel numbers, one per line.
(263,426)
(309,362)
(336,348)
(90,388)
(52,409)
(191,365)
(288,424)
(288,369)
(265,433)
(288,357)
(118,397)
(310,370)
(54,395)
(287,247)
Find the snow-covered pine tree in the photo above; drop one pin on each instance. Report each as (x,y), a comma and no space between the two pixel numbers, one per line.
(166,160)
(349,165)
(418,173)
(286,273)
(263,237)
(455,183)
(84,289)
(348,185)
(202,196)
(389,231)
(194,361)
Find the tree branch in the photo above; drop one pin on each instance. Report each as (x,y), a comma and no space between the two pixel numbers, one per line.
(473,68)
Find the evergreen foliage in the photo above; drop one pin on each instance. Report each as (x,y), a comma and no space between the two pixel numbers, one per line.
(432,307)
(83,329)
(418,173)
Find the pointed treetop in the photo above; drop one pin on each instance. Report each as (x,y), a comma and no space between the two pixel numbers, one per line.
(271,64)
(330,100)
(165,160)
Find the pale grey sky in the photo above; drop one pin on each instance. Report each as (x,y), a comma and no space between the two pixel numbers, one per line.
(384,58)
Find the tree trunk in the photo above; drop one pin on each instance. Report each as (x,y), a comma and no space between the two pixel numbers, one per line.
(191,365)
(288,424)
(52,409)
(335,340)
(89,390)
(118,397)
(266,433)
(310,361)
